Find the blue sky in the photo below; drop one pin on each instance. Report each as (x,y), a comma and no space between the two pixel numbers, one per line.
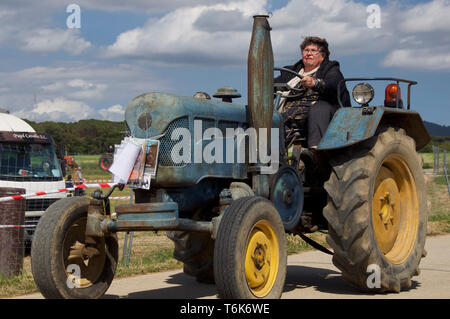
(124,49)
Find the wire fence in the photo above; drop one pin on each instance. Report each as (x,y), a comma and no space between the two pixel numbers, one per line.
(440,164)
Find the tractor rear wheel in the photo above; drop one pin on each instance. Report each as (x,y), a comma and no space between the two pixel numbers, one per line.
(195,251)
(250,251)
(377,212)
(63,265)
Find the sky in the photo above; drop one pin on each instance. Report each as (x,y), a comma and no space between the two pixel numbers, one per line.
(58,65)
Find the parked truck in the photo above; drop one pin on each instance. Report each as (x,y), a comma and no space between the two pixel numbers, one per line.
(228,219)
(28,161)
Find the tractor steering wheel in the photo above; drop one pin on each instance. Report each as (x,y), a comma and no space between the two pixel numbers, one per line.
(285,86)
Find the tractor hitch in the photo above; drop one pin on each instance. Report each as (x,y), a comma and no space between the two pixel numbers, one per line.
(141,217)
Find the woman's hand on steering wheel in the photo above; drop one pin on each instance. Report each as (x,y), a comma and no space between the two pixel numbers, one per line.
(285,86)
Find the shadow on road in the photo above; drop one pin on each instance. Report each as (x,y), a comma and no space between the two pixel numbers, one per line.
(297,278)
(323,280)
(187,288)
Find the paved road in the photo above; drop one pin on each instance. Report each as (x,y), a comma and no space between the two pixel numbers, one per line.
(310,275)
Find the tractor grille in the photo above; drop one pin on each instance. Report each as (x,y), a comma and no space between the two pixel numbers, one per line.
(166,142)
(223,125)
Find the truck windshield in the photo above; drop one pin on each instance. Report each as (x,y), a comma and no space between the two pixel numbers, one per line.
(28,162)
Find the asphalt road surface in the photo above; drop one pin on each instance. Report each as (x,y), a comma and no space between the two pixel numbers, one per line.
(310,275)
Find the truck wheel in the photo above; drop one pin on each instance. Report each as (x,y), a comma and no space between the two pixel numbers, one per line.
(377,212)
(195,251)
(250,251)
(63,266)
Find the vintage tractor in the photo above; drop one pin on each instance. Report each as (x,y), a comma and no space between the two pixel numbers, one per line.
(228,218)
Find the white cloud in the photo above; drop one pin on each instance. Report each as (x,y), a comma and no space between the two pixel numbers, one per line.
(95,84)
(425,59)
(426,17)
(149,6)
(52,40)
(29,26)
(220,33)
(112,113)
(77,89)
(182,36)
(58,109)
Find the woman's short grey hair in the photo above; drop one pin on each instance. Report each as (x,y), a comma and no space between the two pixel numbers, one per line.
(322,44)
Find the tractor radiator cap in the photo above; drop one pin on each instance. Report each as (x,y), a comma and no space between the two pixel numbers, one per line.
(227,93)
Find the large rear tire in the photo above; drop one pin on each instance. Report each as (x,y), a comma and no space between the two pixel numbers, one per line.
(250,251)
(63,266)
(195,251)
(377,212)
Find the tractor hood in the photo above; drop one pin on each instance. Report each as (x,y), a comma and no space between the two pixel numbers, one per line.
(148,115)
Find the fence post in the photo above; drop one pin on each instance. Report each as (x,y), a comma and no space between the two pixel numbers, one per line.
(12,220)
(435,159)
(128,241)
(444,165)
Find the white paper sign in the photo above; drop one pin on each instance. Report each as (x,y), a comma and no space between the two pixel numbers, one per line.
(124,161)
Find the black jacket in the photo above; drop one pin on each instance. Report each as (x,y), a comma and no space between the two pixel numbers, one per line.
(331,75)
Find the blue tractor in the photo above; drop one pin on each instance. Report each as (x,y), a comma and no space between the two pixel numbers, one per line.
(228,211)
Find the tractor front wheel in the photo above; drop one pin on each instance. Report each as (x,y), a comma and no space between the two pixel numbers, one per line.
(250,251)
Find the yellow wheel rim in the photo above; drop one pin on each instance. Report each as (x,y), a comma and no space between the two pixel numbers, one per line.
(89,259)
(395,213)
(261,259)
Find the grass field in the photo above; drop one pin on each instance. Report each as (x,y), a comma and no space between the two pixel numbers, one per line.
(90,167)
(428,160)
(152,252)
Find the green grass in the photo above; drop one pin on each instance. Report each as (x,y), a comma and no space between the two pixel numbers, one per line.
(441,180)
(90,168)
(428,160)
(439,217)
(438,206)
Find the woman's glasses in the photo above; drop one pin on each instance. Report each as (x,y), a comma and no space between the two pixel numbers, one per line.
(312,51)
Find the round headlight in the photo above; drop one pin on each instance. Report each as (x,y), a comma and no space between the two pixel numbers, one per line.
(363,93)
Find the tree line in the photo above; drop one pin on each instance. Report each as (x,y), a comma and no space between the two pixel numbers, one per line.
(94,136)
(82,137)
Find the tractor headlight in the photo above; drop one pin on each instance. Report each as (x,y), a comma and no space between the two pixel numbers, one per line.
(363,93)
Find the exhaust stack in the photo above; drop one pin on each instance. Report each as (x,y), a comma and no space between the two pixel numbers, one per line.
(260,77)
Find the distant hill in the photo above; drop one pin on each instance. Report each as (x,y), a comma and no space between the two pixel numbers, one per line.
(436,129)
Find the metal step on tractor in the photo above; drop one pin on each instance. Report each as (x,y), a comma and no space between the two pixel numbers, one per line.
(228,212)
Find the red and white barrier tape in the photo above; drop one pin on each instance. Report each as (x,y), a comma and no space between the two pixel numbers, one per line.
(17,226)
(16,197)
(120,197)
(98,181)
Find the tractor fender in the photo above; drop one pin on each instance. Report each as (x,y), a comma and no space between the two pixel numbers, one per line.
(352,125)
